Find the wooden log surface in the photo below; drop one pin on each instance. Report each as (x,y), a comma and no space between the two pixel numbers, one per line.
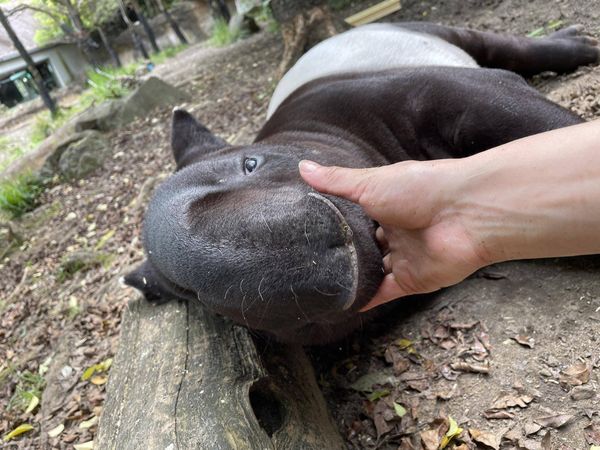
(184,378)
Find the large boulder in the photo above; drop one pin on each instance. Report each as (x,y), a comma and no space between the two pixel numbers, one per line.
(77,156)
(112,114)
(84,156)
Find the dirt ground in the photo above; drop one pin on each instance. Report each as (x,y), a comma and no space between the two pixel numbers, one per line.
(511,352)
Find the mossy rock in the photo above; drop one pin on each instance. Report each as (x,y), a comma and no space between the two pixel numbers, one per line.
(112,114)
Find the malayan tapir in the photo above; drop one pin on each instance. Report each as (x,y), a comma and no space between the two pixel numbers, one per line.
(236,228)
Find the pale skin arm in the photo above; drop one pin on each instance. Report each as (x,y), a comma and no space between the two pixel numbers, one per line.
(442,220)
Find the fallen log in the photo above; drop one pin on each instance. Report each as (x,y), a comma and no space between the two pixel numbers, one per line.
(185,378)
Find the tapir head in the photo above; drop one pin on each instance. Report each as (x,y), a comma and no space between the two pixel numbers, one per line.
(237,229)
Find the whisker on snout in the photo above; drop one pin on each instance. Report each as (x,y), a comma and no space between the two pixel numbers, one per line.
(326,293)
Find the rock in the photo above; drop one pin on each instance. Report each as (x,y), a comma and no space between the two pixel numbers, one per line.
(582,393)
(58,147)
(83,156)
(103,117)
(112,114)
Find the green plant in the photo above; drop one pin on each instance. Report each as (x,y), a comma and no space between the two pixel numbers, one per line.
(222,34)
(81,261)
(338,5)
(20,194)
(45,124)
(264,15)
(29,385)
(162,56)
(9,151)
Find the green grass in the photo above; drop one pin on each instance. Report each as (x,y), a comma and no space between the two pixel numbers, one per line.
(28,385)
(70,265)
(264,17)
(9,151)
(222,35)
(20,194)
(102,84)
(163,55)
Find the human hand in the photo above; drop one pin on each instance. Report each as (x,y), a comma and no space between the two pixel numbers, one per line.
(424,235)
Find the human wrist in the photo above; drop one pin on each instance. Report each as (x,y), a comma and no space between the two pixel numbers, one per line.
(469,202)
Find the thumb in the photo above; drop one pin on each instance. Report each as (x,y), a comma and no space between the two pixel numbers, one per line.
(340,181)
(388,290)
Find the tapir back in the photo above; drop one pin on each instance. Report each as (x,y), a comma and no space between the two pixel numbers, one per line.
(369,48)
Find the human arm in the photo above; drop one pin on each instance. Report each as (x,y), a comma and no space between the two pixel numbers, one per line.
(442,220)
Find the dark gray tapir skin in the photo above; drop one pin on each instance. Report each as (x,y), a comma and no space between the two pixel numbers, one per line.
(236,228)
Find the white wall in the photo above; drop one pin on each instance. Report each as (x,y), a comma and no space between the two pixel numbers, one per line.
(66,60)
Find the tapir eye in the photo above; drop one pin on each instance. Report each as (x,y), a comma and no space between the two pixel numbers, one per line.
(250,164)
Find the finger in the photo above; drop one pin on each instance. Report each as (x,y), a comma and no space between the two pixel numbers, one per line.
(387,263)
(340,181)
(388,290)
(383,242)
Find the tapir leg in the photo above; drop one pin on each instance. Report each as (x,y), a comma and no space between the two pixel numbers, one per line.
(562,51)
(474,110)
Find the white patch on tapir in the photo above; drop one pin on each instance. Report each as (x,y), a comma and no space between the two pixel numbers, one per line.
(369,48)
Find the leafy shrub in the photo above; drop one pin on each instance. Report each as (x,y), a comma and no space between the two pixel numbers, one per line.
(20,194)
(222,35)
(29,385)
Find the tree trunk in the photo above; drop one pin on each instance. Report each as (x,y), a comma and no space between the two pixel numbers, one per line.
(146,25)
(220,10)
(81,33)
(111,51)
(185,378)
(303,23)
(137,42)
(172,22)
(37,77)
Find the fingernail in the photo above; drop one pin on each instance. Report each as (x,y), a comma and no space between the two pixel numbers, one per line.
(307,166)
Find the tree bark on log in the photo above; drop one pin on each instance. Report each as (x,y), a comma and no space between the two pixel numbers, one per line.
(172,22)
(147,28)
(111,51)
(303,24)
(137,42)
(186,378)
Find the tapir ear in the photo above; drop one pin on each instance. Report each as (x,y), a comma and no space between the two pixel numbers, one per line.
(189,138)
(144,279)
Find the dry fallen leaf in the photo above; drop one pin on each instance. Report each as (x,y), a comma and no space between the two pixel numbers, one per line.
(32,404)
(89,445)
(592,433)
(510,400)
(463,366)
(524,340)
(56,430)
(531,428)
(430,439)
(99,379)
(547,441)
(485,438)
(576,374)
(554,421)
(89,423)
(498,414)
(379,418)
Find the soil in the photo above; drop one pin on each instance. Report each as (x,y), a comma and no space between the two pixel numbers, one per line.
(519,333)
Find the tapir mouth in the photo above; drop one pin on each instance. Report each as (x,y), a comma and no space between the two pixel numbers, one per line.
(349,243)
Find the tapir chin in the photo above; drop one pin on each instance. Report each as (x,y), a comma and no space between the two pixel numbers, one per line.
(236,229)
